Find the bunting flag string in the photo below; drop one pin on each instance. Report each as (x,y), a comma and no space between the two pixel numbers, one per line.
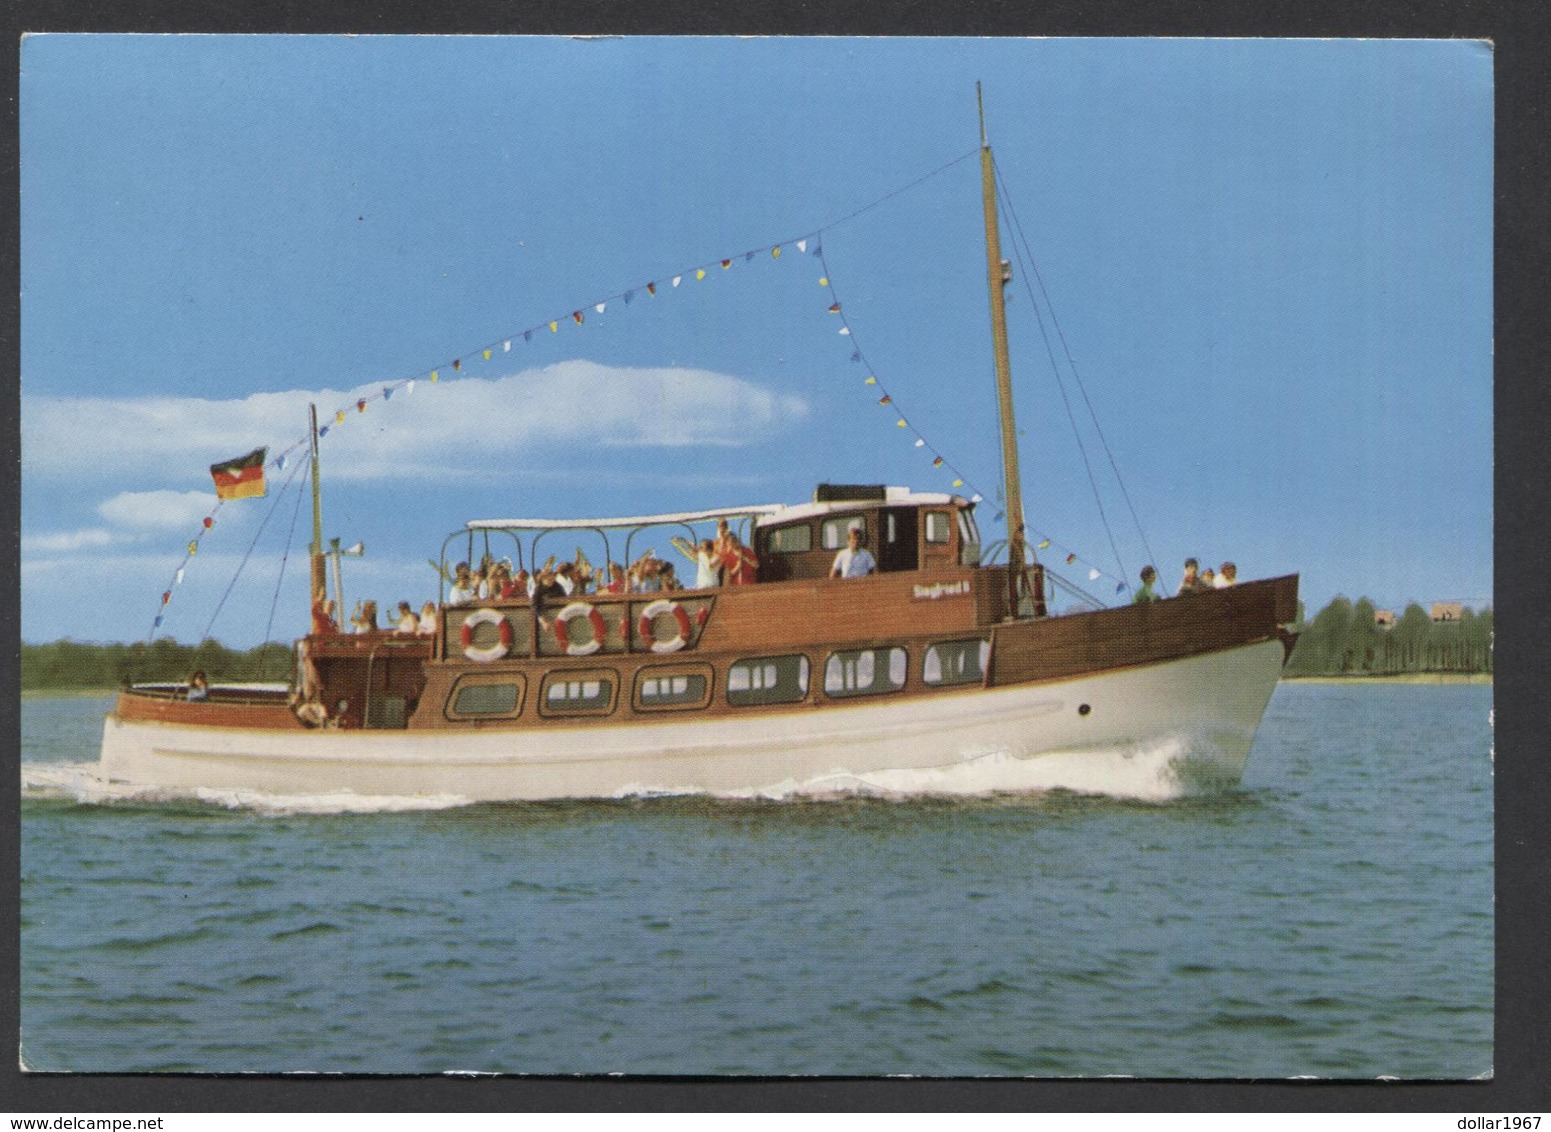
(939,462)
(809,243)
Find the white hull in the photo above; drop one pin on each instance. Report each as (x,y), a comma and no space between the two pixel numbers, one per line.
(1151,731)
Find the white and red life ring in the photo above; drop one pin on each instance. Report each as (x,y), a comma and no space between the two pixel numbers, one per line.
(563,634)
(489,652)
(649,616)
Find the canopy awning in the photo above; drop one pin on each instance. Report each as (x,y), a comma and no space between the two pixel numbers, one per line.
(628,521)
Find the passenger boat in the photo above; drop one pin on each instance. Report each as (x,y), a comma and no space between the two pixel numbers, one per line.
(912,678)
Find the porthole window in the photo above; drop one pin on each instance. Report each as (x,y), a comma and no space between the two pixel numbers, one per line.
(485,698)
(956,662)
(667,689)
(791,540)
(578,693)
(865,672)
(767,680)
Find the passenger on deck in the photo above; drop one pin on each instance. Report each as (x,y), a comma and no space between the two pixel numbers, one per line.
(365,619)
(309,709)
(427,620)
(518,586)
(198,686)
(323,623)
(855,561)
(670,580)
(646,575)
(408,624)
(617,583)
(345,717)
(1146,594)
(725,541)
(1191,582)
(464,588)
(708,565)
(1227,576)
(739,562)
(1208,579)
(566,579)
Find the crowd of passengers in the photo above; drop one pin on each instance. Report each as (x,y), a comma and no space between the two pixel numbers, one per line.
(1195,580)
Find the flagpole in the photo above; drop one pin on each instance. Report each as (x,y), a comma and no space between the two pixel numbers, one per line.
(999,274)
(319,573)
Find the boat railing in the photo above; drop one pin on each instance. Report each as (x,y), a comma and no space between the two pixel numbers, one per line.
(218,693)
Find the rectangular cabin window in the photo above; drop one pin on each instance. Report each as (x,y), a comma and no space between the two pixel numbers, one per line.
(661,688)
(833,531)
(791,540)
(937,526)
(485,698)
(956,662)
(578,693)
(865,672)
(969,540)
(767,680)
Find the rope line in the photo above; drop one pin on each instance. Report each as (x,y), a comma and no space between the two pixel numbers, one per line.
(256,535)
(1072,362)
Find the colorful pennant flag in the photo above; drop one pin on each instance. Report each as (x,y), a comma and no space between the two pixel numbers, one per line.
(845,330)
(360,406)
(958,483)
(1093,575)
(193,547)
(802,245)
(339,417)
(487,355)
(871,381)
(677,279)
(834,308)
(699,273)
(242,478)
(435,377)
(1070,558)
(576,317)
(937,462)
(457,364)
(885,399)
(177,579)
(554,327)
(726,263)
(506,347)
(920,442)
(651,288)
(209,522)
(1044,544)
(823,281)
(775,252)
(599,307)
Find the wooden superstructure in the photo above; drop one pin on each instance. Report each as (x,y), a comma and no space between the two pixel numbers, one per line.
(931,620)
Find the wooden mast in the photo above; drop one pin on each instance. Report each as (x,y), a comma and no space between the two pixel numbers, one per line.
(999,273)
(319,575)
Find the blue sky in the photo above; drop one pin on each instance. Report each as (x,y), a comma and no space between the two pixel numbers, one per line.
(1270,260)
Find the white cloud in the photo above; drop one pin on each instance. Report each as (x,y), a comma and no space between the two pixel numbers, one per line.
(157,509)
(466,426)
(65,541)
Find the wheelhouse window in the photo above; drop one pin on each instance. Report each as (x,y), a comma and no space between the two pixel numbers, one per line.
(767,680)
(664,689)
(578,693)
(969,539)
(832,532)
(956,662)
(865,672)
(937,526)
(479,698)
(791,540)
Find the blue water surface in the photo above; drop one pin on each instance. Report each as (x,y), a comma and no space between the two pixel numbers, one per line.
(1331,918)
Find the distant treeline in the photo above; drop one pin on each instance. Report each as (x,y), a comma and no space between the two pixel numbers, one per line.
(1343,639)
(70,664)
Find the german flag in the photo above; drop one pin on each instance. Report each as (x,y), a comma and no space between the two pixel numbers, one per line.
(242,478)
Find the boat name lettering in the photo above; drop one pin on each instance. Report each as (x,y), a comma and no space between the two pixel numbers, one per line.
(942,589)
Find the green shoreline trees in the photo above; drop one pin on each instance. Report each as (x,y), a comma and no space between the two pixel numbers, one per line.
(1344,640)
(73,664)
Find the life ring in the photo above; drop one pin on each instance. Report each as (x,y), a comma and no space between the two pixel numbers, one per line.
(489,652)
(649,616)
(563,635)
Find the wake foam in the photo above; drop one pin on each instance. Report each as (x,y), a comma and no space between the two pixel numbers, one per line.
(83,783)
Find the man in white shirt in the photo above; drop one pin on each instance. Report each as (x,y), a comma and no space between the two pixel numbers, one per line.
(855,561)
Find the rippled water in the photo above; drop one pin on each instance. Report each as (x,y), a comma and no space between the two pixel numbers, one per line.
(1332,918)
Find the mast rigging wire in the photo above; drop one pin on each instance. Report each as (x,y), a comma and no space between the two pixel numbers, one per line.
(1066,349)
